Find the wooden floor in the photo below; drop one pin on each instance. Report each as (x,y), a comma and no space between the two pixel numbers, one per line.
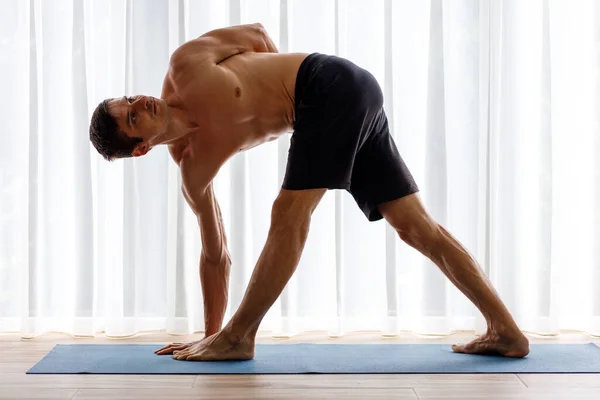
(17,356)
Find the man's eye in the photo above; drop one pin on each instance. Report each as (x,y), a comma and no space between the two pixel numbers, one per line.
(130,99)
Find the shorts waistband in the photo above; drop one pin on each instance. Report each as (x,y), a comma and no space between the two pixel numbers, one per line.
(306,72)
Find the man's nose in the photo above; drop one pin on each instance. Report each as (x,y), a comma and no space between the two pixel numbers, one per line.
(143,103)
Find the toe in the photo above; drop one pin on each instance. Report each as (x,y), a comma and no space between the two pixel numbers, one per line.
(204,356)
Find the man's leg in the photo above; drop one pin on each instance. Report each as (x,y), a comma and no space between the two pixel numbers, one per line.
(418,229)
(290,222)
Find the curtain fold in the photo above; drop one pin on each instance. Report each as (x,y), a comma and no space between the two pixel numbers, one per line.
(493,106)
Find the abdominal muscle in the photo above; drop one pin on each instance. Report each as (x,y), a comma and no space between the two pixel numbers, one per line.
(263,98)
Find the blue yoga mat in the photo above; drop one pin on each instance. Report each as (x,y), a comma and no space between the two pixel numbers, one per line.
(319,358)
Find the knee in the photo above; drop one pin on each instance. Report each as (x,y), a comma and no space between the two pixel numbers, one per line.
(422,233)
(287,213)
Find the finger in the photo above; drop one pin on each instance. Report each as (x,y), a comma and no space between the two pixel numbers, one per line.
(162,350)
(170,345)
(458,348)
(166,351)
(165,348)
(175,345)
(180,347)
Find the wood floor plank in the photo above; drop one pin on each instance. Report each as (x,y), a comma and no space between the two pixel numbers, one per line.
(75,381)
(26,393)
(508,393)
(561,380)
(14,366)
(19,360)
(395,381)
(245,394)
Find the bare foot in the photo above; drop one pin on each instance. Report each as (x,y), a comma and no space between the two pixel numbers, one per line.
(169,349)
(218,347)
(491,343)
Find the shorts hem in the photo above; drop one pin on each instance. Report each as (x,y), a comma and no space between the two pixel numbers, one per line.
(328,186)
(371,209)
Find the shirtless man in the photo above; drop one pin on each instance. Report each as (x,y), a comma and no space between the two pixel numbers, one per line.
(230,90)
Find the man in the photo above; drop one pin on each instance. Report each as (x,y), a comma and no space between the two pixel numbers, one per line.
(230,90)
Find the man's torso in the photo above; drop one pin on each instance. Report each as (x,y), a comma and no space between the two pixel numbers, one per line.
(245,101)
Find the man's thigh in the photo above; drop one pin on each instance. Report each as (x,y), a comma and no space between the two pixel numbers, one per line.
(292,212)
(302,200)
(380,175)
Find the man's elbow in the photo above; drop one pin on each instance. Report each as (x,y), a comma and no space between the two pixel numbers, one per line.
(258,26)
(197,199)
(266,43)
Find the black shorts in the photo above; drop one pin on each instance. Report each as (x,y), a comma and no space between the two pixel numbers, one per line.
(341,137)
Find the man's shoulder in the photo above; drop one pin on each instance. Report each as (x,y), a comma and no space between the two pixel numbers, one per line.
(197,51)
(198,168)
(194,153)
(188,161)
(191,65)
(185,75)
(176,150)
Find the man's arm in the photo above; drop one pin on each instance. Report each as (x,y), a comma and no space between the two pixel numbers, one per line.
(215,261)
(238,39)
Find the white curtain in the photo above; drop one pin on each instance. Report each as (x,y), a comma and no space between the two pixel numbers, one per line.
(493,105)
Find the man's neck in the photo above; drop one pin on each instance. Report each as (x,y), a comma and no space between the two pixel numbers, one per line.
(178,127)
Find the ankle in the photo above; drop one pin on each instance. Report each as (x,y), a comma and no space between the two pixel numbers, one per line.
(238,334)
(505,331)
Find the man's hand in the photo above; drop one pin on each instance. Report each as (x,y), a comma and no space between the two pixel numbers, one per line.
(220,44)
(169,349)
(248,38)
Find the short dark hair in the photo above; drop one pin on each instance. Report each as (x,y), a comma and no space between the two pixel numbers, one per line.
(106,136)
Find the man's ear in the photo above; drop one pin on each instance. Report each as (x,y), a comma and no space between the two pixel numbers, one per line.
(140,150)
